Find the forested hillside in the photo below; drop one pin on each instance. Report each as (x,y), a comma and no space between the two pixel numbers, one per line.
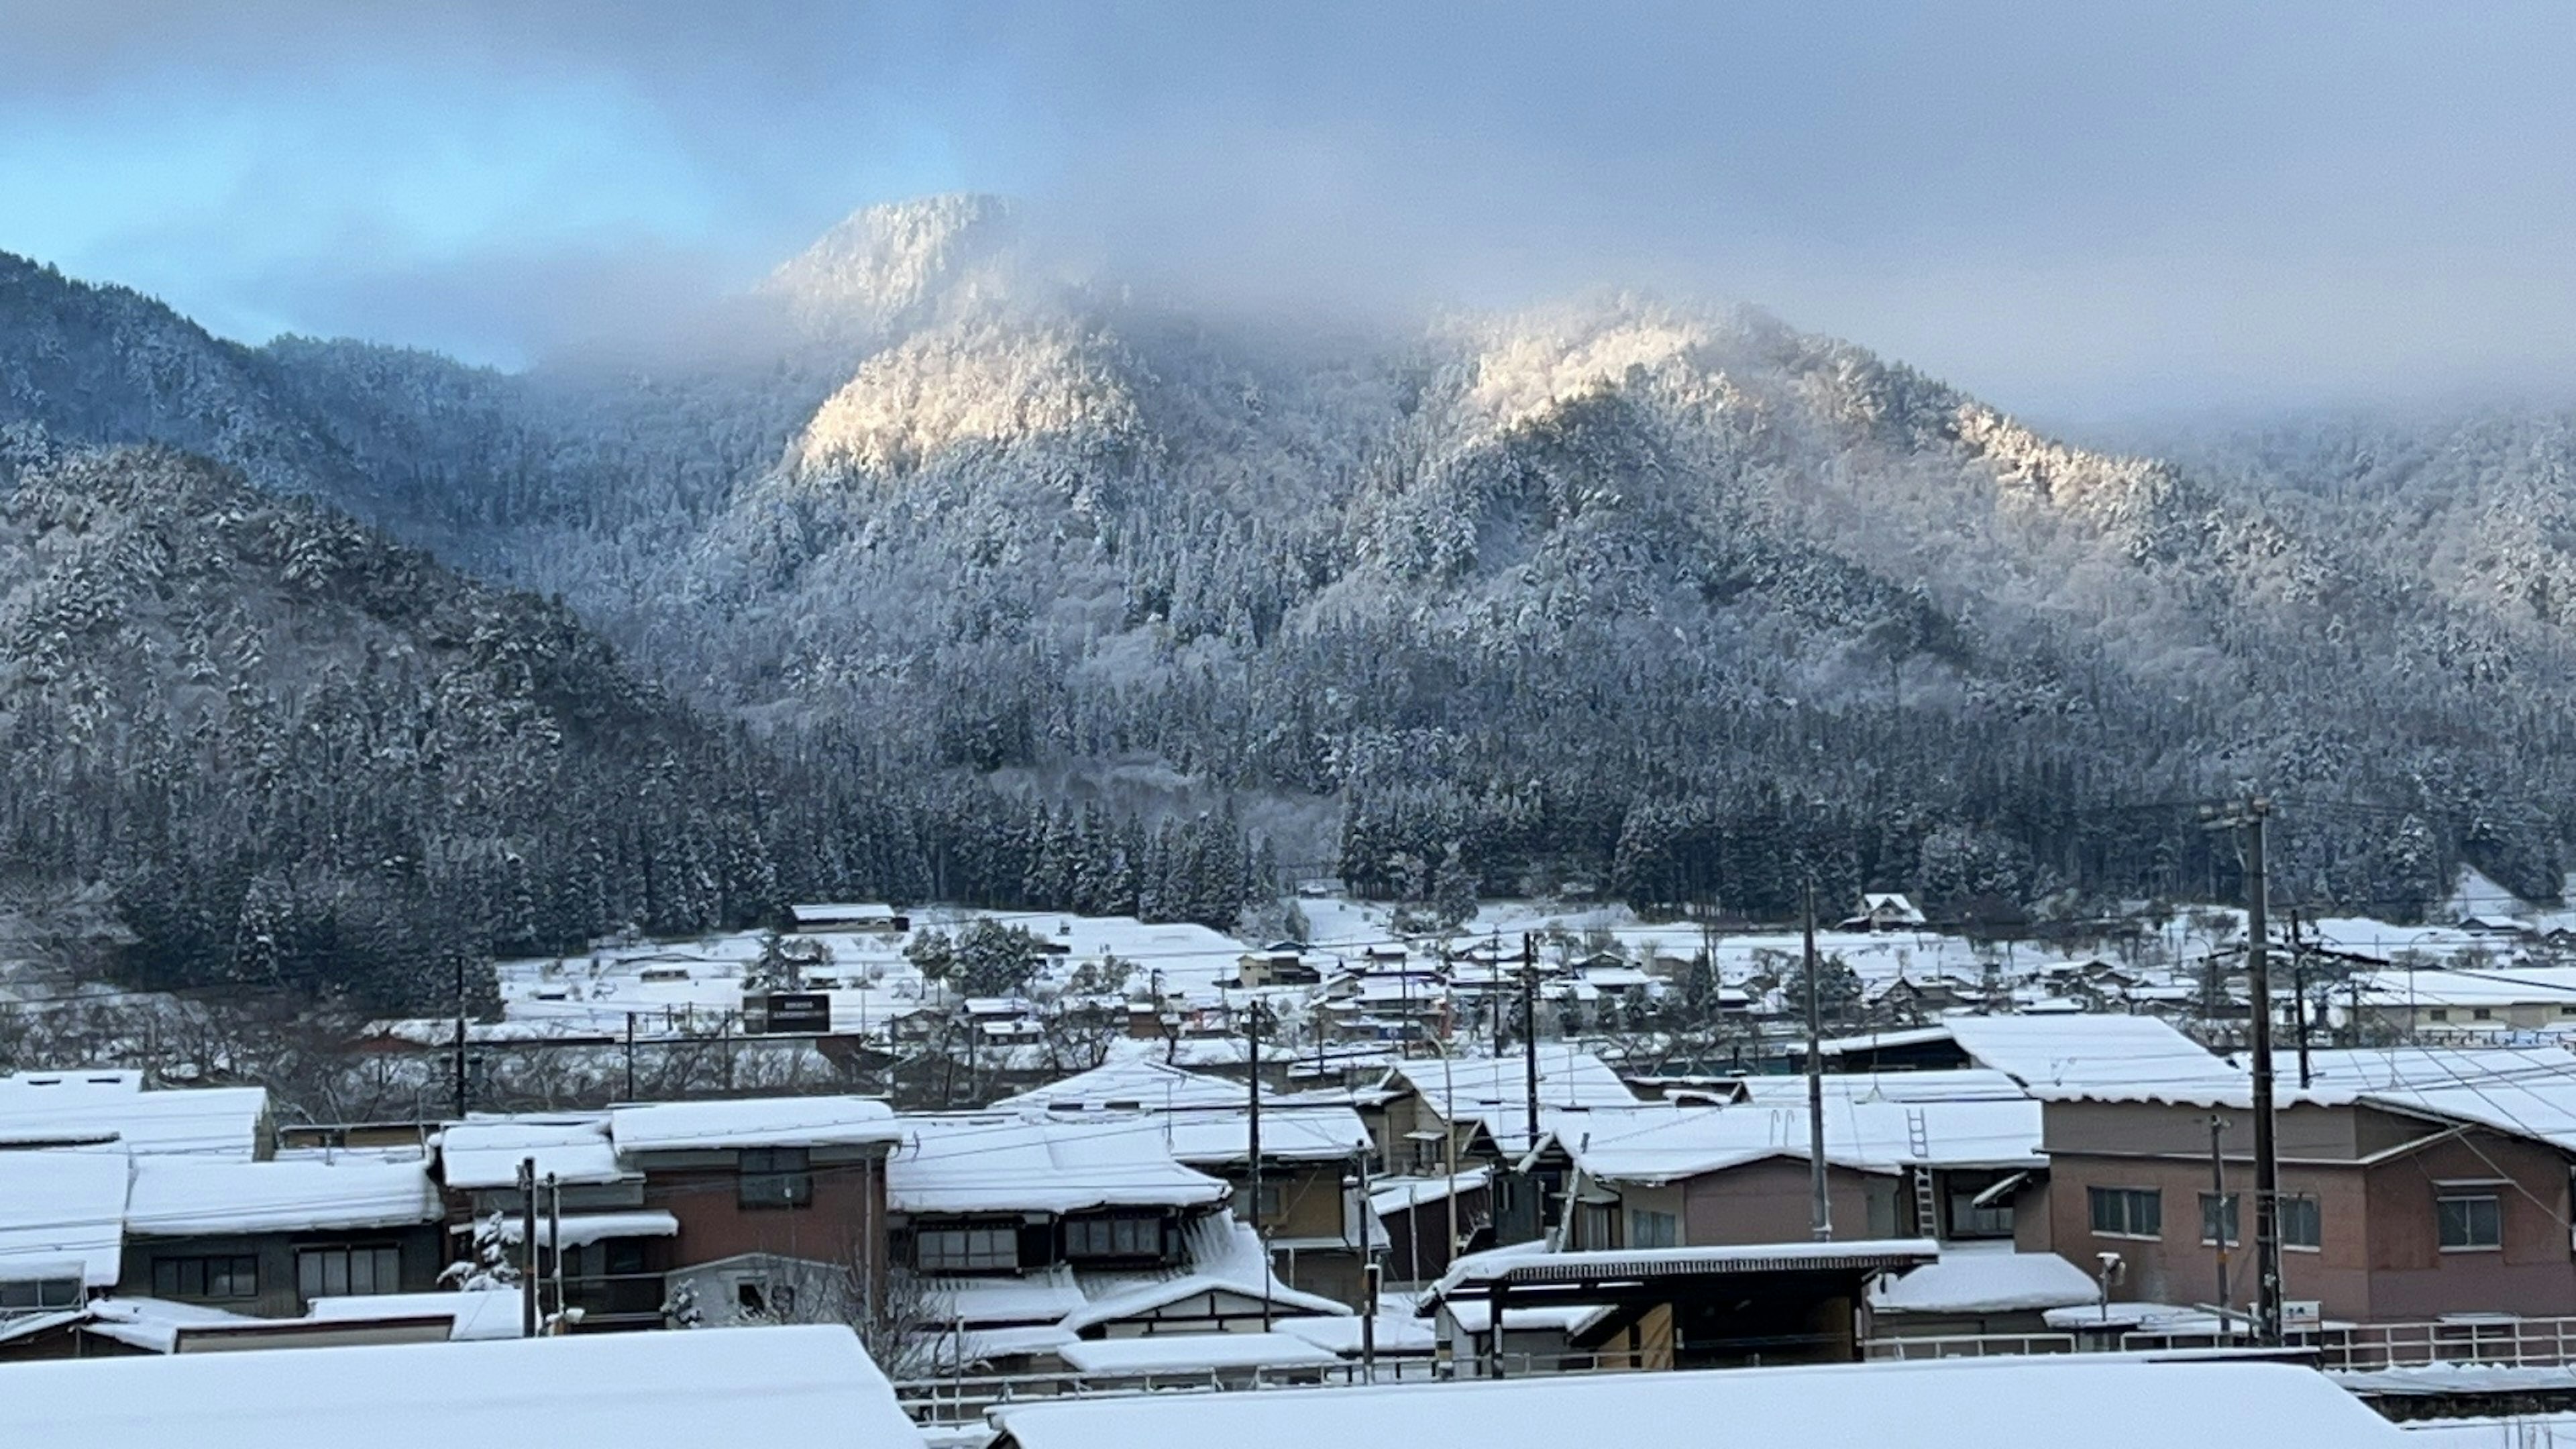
(1014,587)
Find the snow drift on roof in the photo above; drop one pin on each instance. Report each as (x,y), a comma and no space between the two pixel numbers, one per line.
(1495,1090)
(62,1212)
(1666,1144)
(1180,1353)
(483,1314)
(753,1122)
(486,1152)
(197,1121)
(1006,1162)
(177,1197)
(1960,1404)
(779,1388)
(1969,1281)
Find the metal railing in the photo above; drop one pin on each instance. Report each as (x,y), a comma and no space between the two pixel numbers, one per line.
(1966,1345)
(963,1398)
(2357,1348)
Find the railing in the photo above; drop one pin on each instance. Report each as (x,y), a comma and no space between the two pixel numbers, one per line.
(2356,1349)
(963,1398)
(1967,1345)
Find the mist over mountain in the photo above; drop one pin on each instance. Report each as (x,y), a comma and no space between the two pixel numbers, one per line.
(1668,598)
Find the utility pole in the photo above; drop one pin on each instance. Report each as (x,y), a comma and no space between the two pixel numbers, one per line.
(630,1056)
(2249,816)
(2218,1193)
(555,1245)
(1820,1199)
(1252,1036)
(1368,1268)
(460,1037)
(528,1247)
(2299,990)
(1529,1029)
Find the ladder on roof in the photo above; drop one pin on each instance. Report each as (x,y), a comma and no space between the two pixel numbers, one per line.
(1918,1144)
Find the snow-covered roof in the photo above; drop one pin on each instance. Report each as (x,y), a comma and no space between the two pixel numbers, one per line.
(486,1152)
(1013,1162)
(2081,1051)
(483,1314)
(196,1121)
(1149,1085)
(1968,1084)
(1395,1194)
(1663,1144)
(177,1196)
(1495,1090)
(1180,1353)
(582,1228)
(825,912)
(2470,989)
(1969,1279)
(2118,1403)
(1533,1262)
(153,1324)
(780,1388)
(1395,1333)
(753,1122)
(2418,1067)
(62,1212)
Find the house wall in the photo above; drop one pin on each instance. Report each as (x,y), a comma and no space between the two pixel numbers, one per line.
(423,1255)
(2176,1266)
(1417,1240)
(1310,1196)
(1767,1202)
(844,1223)
(2412,1278)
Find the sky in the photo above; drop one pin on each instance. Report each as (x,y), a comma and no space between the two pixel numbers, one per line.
(2080,212)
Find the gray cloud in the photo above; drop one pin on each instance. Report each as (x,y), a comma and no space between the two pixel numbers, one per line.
(2080,211)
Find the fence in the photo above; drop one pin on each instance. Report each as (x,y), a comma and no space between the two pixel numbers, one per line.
(2356,1348)
(963,1398)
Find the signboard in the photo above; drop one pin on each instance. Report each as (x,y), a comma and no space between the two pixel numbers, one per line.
(803,1012)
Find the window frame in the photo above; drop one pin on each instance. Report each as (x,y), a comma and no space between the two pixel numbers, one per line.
(2229,1217)
(234,1274)
(380,1257)
(2129,1199)
(775,1179)
(1113,1237)
(1666,1228)
(2468,1199)
(2316,1220)
(968,1257)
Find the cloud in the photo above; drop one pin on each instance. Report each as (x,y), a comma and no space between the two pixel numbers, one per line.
(2077,210)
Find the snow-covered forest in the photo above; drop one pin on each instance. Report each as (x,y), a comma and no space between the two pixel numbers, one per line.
(942,575)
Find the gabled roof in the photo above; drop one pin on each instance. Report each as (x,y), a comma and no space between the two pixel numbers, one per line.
(174,1197)
(779,1388)
(2064,1050)
(39,1107)
(62,1213)
(997,1162)
(752,1122)
(486,1152)
(1495,1090)
(1661,1144)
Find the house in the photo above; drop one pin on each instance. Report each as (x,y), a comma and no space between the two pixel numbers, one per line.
(2399,1205)
(1425,1223)
(2463,1004)
(865,918)
(269,1239)
(1479,1106)
(1663,1176)
(615,1251)
(1311,1151)
(1030,1231)
(2011,1403)
(1884,912)
(781,1388)
(771,1200)
(1281,963)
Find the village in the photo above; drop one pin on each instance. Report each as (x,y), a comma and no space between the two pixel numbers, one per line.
(1030,1177)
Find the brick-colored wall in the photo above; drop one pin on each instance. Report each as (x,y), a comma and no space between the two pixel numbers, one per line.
(846,1219)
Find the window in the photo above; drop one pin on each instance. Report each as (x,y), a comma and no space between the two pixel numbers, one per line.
(2567,1009)
(339,1272)
(2128,1212)
(2440,1013)
(2468,1222)
(1269,1202)
(957,1250)
(1593,1224)
(2302,1226)
(221,1277)
(776,1177)
(1127,1237)
(39,1293)
(1967,1220)
(1653,1229)
(2215,1212)
(2483,1014)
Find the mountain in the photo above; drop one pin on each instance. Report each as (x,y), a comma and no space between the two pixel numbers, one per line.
(1671,598)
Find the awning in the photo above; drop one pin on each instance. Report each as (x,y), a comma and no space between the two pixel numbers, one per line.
(580,1228)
